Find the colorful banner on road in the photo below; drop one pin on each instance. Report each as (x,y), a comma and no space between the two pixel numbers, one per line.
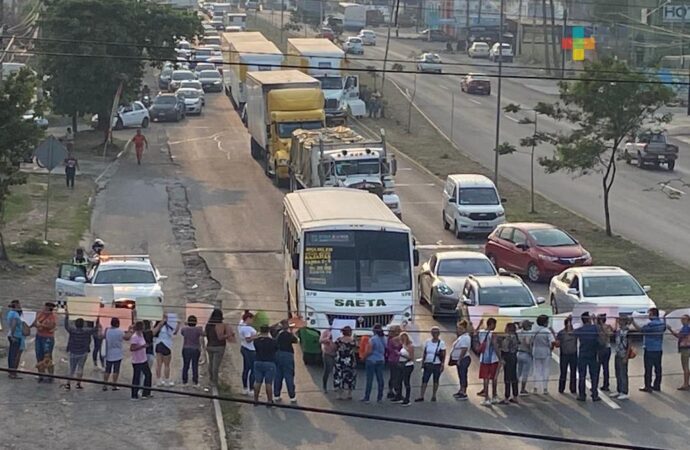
(86,308)
(149,308)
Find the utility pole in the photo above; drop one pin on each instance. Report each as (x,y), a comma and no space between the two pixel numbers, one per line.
(452,113)
(479,14)
(498,96)
(388,40)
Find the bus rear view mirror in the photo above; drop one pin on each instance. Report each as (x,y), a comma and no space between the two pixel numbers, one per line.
(415,257)
(295,261)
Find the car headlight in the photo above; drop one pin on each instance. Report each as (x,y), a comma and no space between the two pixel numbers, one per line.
(500,214)
(464,214)
(393,205)
(444,289)
(216,82)
(548,258)
(586,255)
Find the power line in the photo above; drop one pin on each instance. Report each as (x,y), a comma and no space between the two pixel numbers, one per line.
(358,415)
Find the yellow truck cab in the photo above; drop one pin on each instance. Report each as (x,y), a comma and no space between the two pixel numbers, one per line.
(278,103)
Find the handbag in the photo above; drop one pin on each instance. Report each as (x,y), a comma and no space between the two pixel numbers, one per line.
(26,331)
(631,353)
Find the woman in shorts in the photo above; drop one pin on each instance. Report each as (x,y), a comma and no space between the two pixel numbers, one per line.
(163,344)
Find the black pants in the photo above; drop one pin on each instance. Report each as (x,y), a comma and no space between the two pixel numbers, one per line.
(190,356)
(585,364)
(139,370)
(605,363)
(394,385)
(405,375)
(70,173)
(652,360)
(568,362)
(510,377)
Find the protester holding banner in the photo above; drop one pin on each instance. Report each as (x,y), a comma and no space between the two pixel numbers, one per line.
(623,352)
(247,335)
(114,337)
(509,347)
(217,334)
(406,362)
(653,343)
(489,362)
(163,346)
(345,374)
(604,357)
(16,336)
(460,357)
(683,336)
(328,350)
(588,337)
(78,346)
(140,364)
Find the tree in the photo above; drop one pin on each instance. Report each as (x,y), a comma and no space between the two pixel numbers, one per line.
(88,47)
(18,137)
(607,104)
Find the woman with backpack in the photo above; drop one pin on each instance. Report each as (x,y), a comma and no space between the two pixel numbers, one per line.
(163,345)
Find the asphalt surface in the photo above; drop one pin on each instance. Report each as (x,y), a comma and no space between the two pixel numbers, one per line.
(237,216)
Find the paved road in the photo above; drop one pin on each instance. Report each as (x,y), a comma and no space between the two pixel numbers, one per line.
(237,213)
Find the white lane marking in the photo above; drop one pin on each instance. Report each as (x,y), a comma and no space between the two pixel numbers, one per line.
(404,168)
(672,189)
(414,184)
(449,246)
(420,203)
(474,101)
(512,118)
(219,421)
(605,398)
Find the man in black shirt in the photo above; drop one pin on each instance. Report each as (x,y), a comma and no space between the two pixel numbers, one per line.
(264,364)
(285,361)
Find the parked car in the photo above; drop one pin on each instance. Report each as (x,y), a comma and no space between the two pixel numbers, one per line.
(178,76)
(601,286)
(478,50)
(192,100)
(40,121)
(506,52)
(327,33)
(354,46)
(429,62)
(474,83)
(471,204)
(442,278)
(167,107)
(368,37)
(211,80)
(537,250)
(204,66)
(133,115)
(433,35)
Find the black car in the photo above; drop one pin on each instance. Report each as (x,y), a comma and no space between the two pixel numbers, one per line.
(167,107)
(211,80)
(164,78)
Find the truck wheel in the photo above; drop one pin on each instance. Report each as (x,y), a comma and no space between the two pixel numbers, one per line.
(640,161)
(265,164)
(276,180)
(671,165)
(254,146)
(446,225)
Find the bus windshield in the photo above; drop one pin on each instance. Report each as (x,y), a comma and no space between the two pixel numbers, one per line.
(357,261)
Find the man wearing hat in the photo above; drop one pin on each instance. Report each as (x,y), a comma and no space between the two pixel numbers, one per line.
(45,323)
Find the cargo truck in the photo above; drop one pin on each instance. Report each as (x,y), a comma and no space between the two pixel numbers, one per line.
(325,61)
(278,103)
(340,157)
(246,52)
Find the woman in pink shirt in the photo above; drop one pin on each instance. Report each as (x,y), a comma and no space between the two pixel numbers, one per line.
(140,364)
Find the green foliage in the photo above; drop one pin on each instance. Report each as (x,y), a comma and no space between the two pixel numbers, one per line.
(34,246)
(505,148)
(91,46)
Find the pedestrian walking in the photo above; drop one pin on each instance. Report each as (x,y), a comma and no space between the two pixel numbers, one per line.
(588,337)
(509,346)
(345,373)
(114,338)
(285,361)
(393,347)
(45,323)
(683,336)
(433,359)
(264,364)
(163,333)
(460,356)
(140,364)
(622,354)
(16,336)
(524,354)
(247,335)
(567,343)
(148,337)
(488,362)
(217,334)
(140,142)
(604,356)
(78,347)
(543,343)
(71,166)
(374,363)
(328,352)
(406,363)
(193,337)
(652,341)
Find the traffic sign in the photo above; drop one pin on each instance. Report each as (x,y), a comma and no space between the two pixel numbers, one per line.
(50,153)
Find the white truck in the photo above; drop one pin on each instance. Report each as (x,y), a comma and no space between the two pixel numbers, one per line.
(340,157)
(325,61)
(236,19)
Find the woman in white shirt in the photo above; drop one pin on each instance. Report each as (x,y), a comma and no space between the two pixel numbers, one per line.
(247,335)
(542,346)
(407,362)
(460,352)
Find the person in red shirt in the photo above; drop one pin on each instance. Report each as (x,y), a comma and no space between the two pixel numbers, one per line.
(45,323)
(139,141)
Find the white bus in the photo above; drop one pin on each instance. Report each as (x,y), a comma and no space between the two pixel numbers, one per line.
(348,260)
(354,15)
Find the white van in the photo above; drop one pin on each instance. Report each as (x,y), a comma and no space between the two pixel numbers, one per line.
(471,204)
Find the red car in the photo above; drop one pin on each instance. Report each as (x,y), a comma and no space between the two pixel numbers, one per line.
(537,250)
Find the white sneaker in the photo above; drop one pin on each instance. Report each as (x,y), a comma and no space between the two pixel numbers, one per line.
(623,397)
(245,391)
(171,383)
(277,399)
(293,399)
(486,403)
(196,386)
(494,401)
(161,382)
(251,392)
(614,394)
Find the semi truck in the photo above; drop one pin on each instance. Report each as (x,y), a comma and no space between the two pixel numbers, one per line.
(246,52)
(325,61)
(278,103)
(340,157)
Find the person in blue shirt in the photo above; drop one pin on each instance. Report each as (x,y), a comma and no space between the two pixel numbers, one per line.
(653,342)
(683,336)
(588,336)
(16,337)
(374,363)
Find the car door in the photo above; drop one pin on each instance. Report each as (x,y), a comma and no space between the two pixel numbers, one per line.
(138,115)
(498,246)
(427,276)
(70,281)
(572,298)
(518,251)
(560,290)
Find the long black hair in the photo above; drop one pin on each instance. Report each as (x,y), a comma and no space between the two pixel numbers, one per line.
(216,316)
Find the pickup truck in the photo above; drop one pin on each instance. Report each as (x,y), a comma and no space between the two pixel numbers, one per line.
(131,276)
(651,148)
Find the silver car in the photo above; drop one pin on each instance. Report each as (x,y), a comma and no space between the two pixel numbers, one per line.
(192,100)
(442,278)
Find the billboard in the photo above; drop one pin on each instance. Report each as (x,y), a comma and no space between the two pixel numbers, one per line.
(675,13)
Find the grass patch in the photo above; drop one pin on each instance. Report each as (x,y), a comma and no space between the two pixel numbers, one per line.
(89,144)
(670,281)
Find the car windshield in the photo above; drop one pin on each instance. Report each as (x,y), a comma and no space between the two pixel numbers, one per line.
(611,286)
(191,84)
(357,261)
(357,167)
(167,100)
(551,237)
(188,93)
(203,52)
(209,74)
(478,196)
(200,67)
(177,76)
(464,267)
(331,82)
(505,296)
(285,129)
(124,276)
(355,40)
(432,58)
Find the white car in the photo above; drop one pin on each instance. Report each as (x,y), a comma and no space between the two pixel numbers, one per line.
(506,52)
(134,115)
(429,62)
(507,292)
(368,37)
(354,45)
(193,102)
(601,286)
(131,276)
(178,76)
(196,85)
(478,50)
(40,121)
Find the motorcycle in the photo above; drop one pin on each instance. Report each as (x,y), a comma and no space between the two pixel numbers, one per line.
(146,100)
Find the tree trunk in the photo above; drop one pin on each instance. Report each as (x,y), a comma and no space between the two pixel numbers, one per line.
(554,37)
(74,122)
(3,250)
(607,184)
(547,60)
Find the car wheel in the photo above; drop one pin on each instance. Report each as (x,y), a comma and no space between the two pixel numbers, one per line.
(456,230)
(554,305)
(446,225)
(145,122)
(533,273)
(422,300)
(434,314)
(671,165)
(119,125)
(640,161)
